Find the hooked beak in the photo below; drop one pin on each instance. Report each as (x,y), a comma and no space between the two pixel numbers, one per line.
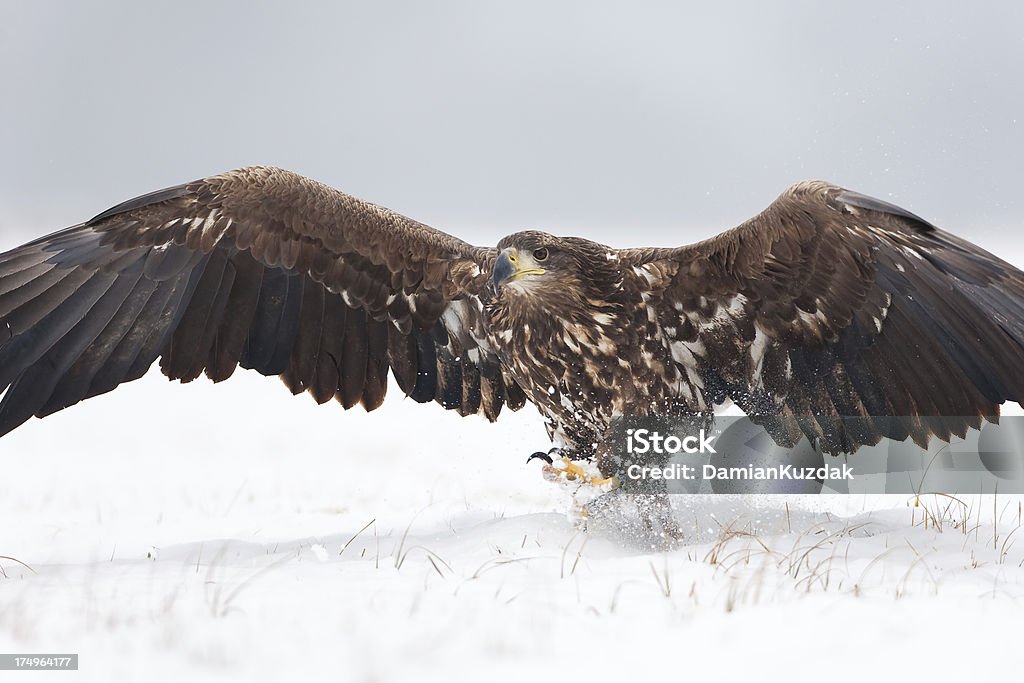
(510,266)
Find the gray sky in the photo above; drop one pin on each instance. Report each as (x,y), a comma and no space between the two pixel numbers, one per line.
(638,122)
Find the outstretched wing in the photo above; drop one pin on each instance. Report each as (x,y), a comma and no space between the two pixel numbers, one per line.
(257,267)
(830,303)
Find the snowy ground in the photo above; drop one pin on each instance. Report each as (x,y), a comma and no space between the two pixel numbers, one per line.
(233,532)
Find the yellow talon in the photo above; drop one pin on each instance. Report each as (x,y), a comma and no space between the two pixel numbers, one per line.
(574,472)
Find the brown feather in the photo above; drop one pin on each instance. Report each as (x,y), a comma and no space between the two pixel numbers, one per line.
(376,365)
(354,359)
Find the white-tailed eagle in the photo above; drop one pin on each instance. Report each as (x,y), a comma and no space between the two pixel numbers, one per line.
(828,303)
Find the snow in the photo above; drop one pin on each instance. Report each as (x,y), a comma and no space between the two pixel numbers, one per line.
(209,533)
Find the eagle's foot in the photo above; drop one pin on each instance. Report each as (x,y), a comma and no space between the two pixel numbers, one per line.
(561,467)
(582,471)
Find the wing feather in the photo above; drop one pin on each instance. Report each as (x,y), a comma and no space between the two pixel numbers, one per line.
(185,359)
(865,309)
(301,373)
(35,386)
(257,267)
(376,383)
(234,328)
(402,359)
(328,371)
(353,368)
(74,386)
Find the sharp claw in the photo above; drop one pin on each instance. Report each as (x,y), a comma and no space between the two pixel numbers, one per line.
(541,456)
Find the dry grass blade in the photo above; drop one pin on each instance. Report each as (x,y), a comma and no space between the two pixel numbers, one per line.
(356,535)
(664,585)
(430,554)
(497,562)
(565,551)
(14,559)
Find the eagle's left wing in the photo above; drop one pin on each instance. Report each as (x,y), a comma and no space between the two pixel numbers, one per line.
(259,268)
(830,303)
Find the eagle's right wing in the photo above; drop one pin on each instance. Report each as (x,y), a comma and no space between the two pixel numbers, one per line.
(831,304)
(257,267)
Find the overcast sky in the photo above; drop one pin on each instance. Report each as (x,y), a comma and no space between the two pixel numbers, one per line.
(632,122)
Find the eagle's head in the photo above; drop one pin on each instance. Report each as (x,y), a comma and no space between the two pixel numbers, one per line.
(538,266)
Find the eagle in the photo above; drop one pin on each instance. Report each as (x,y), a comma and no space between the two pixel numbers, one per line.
(829,303)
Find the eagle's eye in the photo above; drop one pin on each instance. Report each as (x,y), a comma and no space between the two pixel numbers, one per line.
(540,254)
